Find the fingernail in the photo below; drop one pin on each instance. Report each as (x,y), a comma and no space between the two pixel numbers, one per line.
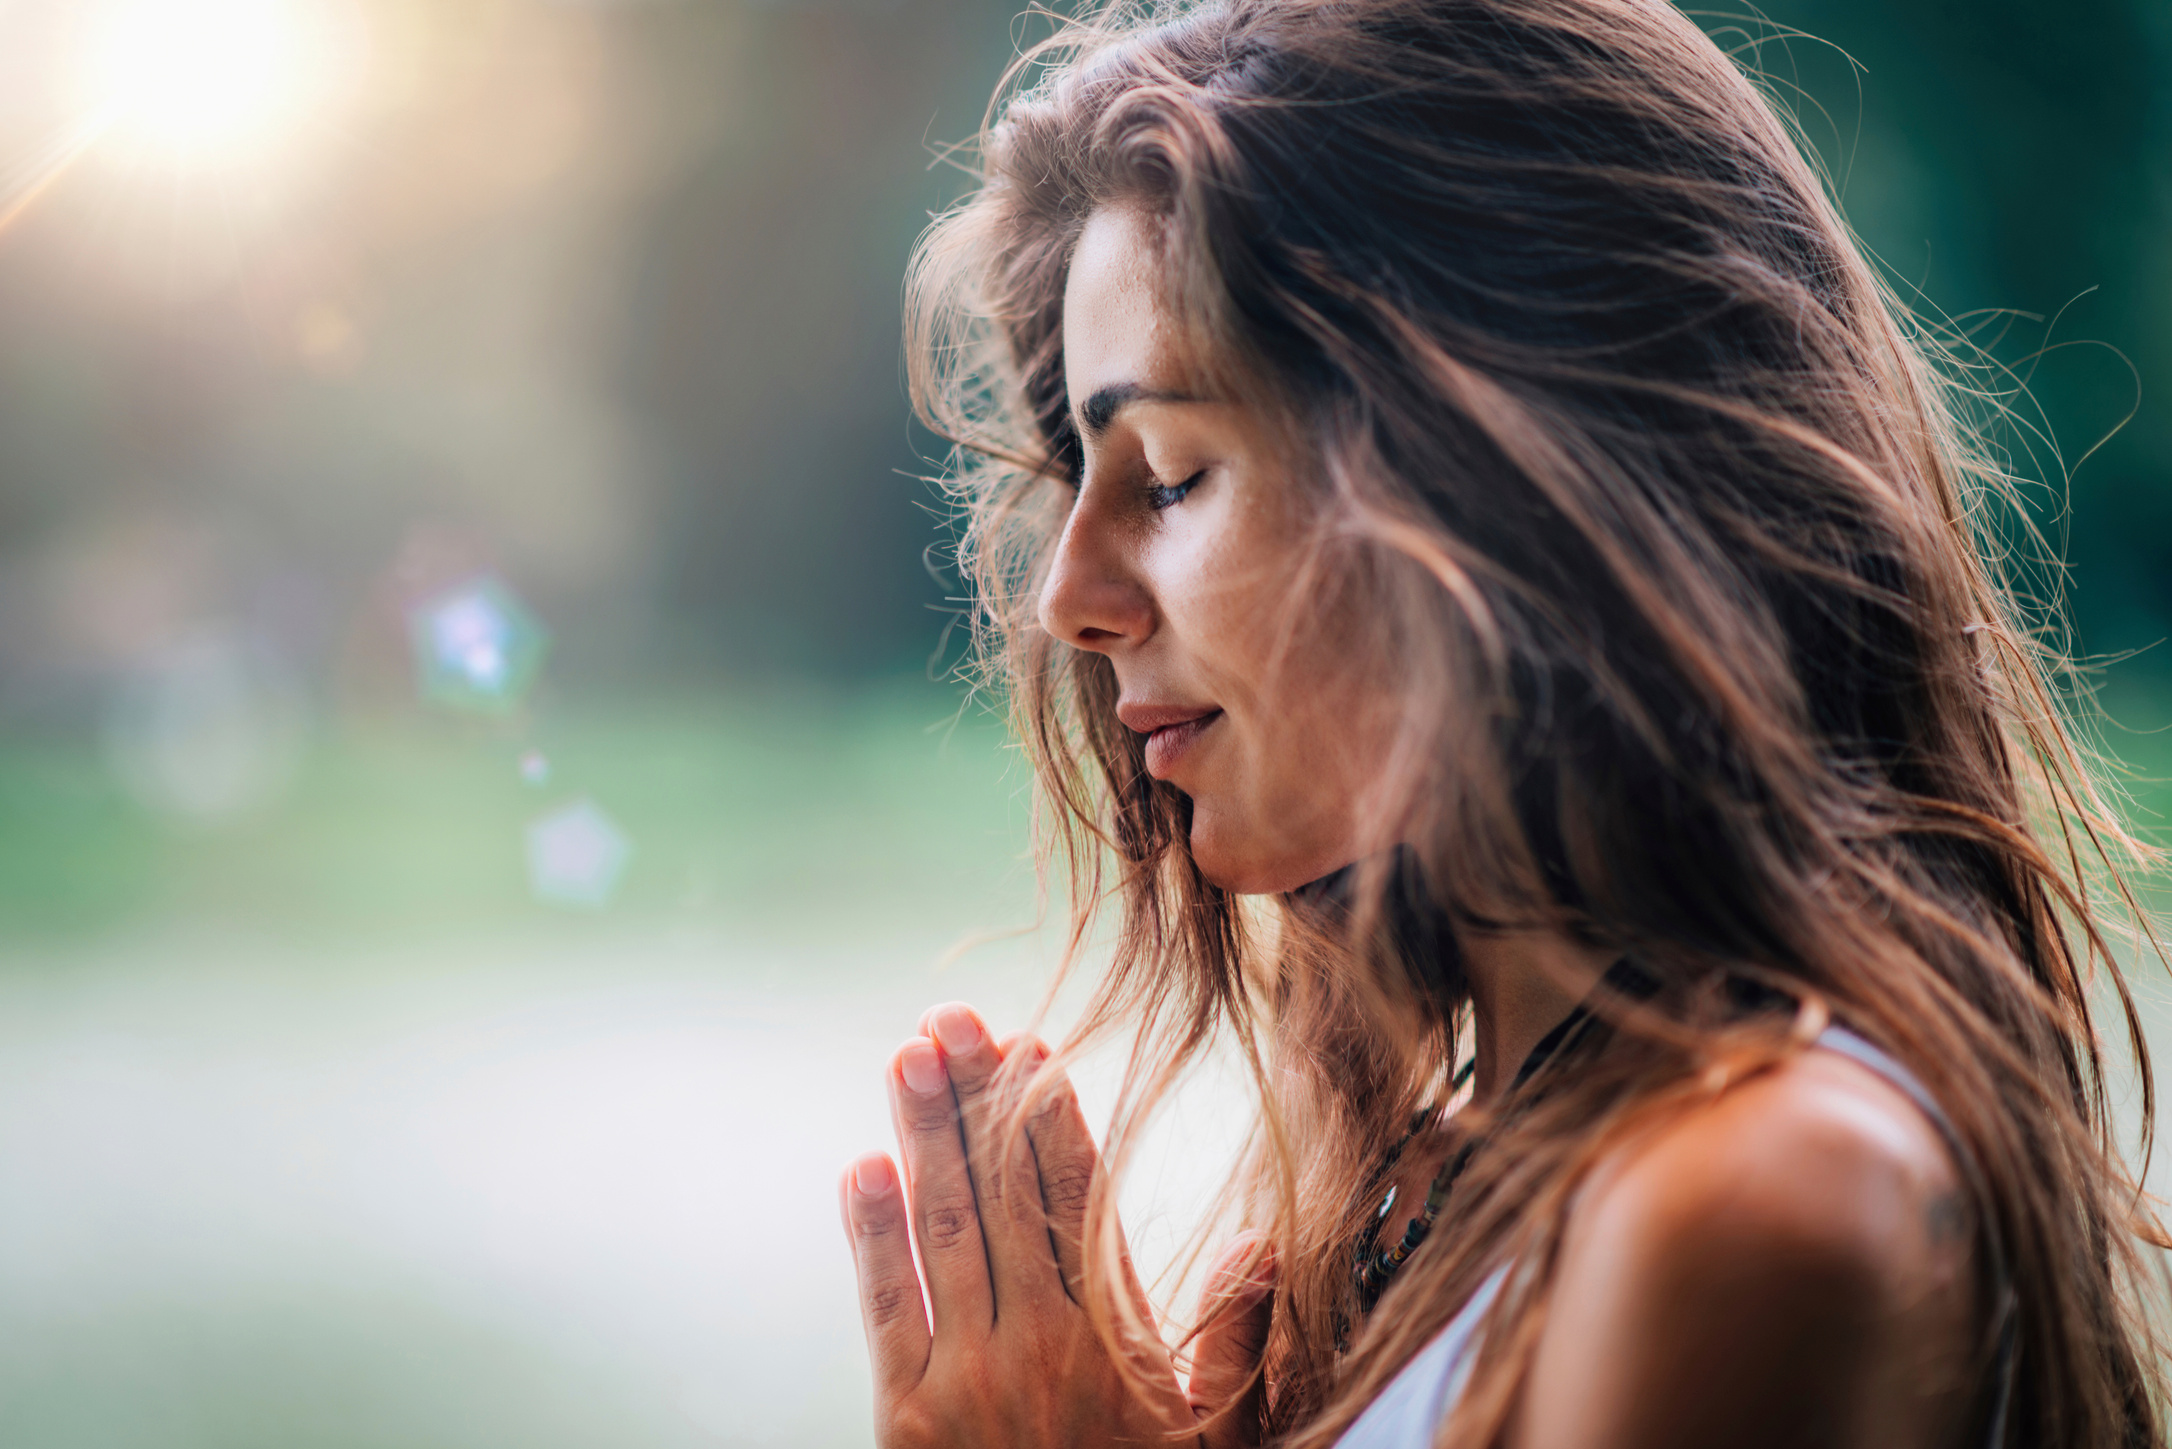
(873,1176)
(921,1068)
(956,1028)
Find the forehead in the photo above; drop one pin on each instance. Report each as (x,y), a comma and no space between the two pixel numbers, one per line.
(1118,327)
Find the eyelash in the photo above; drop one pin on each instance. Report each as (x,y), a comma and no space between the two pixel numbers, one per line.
(1164,495)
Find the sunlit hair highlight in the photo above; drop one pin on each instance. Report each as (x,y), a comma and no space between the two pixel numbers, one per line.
(1687,547)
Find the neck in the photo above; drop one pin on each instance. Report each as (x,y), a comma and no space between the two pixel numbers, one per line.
(1523,983)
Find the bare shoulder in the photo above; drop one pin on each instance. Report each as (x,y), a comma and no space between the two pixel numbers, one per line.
(1793,1252)
(1819,1154)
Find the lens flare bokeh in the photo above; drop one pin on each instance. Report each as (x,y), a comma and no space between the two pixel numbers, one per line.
(209,82)
(576,856)
(477,647)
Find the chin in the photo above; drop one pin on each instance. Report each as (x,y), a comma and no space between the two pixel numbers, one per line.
(1245,860)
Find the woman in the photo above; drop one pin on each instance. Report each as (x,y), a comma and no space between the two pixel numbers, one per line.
(1490,583)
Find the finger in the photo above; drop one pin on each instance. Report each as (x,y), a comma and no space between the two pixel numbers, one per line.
(882,1256)
(1069,1165)
(1006,1180)
(1070,1173)
(1235,1309)
(945,1218)
(1070,1170)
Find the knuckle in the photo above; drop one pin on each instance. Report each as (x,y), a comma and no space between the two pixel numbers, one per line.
(969,1081)
(945,1226)
(889,1304)
(934,1118)
(1067,1187)
(1052,1106)
(873,1228)
(911,1426)
(998,1185)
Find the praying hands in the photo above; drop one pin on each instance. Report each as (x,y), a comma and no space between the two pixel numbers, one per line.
(999,1351)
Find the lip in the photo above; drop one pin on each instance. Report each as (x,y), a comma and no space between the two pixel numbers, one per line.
(1169,729)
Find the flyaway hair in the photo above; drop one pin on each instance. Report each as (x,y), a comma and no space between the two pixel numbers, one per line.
(1689,551)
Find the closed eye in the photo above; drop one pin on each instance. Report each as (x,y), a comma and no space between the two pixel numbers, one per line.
(1168,495)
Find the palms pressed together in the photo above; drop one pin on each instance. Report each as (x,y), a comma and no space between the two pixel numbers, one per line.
(998,1350)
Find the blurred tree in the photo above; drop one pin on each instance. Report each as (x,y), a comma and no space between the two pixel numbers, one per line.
(2004,154)
(767,343)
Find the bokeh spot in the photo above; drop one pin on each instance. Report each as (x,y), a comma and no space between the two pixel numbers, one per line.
(477,648)
(577,856)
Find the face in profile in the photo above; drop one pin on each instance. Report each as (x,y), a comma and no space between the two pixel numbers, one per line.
(1184,561)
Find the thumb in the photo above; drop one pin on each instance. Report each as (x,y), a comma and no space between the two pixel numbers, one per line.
(1235,1308)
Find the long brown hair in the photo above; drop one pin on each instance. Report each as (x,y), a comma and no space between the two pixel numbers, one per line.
(1687,545)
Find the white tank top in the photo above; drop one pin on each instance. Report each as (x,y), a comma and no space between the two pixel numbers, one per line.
(1410,1409)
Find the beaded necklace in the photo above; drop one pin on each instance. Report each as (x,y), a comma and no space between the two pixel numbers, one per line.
(1375,1265)
(1372,1266)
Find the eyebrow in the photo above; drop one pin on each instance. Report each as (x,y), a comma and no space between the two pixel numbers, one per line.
(1101,407)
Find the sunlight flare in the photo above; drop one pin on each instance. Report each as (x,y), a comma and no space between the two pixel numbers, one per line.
(205,81)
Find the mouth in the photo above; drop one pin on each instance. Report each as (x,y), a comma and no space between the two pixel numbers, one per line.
(1170,734)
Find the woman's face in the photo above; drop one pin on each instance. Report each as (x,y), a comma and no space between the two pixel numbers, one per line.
(1178,561)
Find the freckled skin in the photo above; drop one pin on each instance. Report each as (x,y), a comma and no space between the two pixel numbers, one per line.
(1192,602)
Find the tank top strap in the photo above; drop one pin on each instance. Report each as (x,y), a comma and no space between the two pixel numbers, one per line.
(1836,1038)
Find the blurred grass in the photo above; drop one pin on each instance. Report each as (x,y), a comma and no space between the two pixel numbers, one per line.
(750,810)
(316,1129)
(330,1368)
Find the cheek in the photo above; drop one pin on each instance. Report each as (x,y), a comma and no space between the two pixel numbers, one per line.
(1280,802)
(1224,601)
(1298,793)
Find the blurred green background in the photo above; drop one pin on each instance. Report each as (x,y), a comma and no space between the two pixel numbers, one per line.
(317,1125)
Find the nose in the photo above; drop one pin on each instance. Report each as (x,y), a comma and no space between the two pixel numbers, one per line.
(1094,597)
